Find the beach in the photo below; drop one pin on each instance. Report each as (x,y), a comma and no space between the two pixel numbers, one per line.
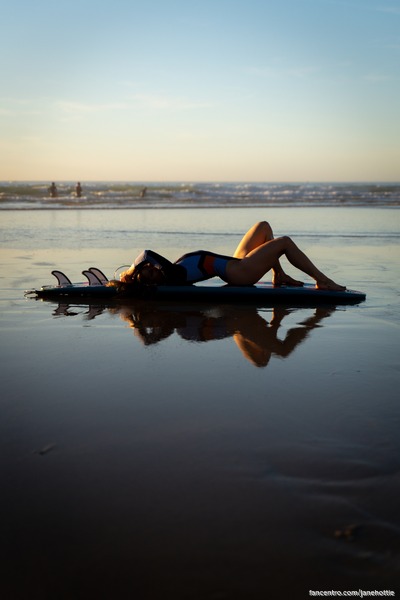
(198,452)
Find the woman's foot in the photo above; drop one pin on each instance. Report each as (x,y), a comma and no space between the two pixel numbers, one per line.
(279,279)
(328,284)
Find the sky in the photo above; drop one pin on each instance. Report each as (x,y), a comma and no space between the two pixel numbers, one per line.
(200,90)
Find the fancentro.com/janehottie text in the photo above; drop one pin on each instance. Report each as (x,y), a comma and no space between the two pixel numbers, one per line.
(353,593)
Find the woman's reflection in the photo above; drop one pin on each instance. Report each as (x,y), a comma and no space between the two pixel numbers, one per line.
(256,337)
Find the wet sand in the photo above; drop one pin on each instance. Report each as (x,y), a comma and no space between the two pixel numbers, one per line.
(197,452)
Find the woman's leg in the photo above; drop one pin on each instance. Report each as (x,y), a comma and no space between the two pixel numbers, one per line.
(263,258)
(257,236)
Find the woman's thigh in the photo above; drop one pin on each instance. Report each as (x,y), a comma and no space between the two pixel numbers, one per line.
(256,236)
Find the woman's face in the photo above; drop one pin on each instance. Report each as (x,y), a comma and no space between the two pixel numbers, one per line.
(151,274)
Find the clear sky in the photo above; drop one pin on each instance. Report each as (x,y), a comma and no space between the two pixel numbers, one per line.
(200,90)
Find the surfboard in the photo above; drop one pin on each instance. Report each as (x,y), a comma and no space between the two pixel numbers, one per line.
(261,294)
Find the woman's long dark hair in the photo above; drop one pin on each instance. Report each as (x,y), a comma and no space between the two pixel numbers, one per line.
(137,286)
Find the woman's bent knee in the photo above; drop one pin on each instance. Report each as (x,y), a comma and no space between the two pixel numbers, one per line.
(286,240)
(265,228)
(265,224)
(283,243)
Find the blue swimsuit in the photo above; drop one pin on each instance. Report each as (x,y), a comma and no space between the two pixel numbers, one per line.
(202,265)
(189,268)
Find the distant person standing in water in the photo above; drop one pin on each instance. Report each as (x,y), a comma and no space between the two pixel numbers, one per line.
(53,190)
(143,192)
(78,190)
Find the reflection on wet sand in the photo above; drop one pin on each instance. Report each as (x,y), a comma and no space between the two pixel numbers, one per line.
(256,337)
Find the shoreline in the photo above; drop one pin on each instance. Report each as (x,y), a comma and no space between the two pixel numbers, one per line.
(200,194)
(198,206)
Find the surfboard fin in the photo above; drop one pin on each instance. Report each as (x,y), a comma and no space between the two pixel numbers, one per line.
(92,278)
(61,278)
(99,274)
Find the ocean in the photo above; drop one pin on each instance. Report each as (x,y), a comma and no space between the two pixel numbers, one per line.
(107,195)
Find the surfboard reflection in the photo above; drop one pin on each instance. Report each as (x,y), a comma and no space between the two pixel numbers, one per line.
(258,334)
